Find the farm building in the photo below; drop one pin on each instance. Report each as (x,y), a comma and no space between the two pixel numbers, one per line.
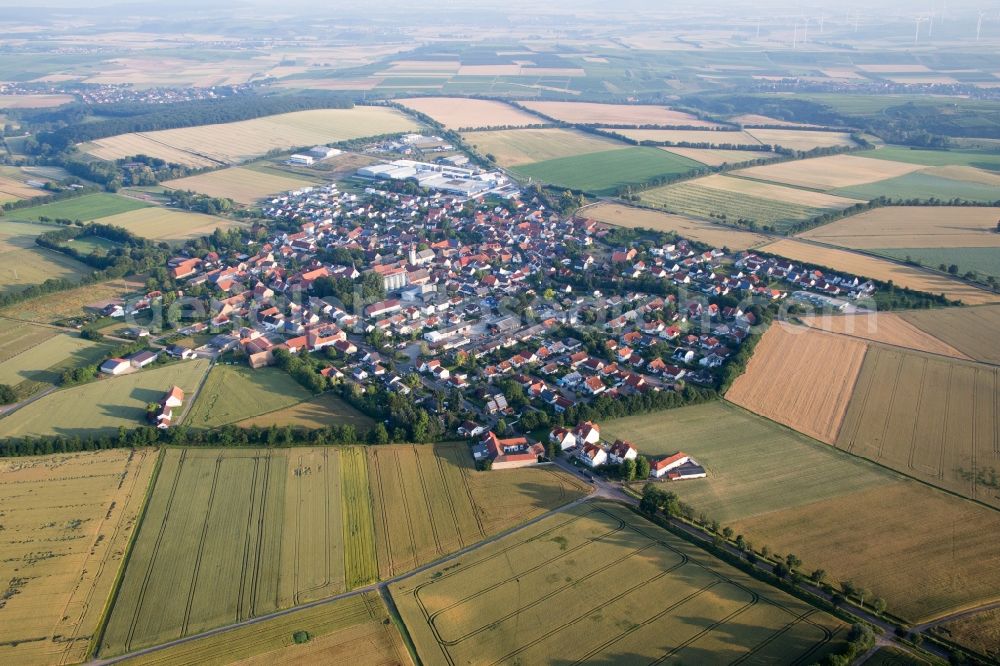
(323,152)
(305,160)
(115,366)
(143,358)
(676,467)
(508,453)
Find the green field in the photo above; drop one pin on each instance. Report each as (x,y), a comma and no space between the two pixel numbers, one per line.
(320,412)
(358,626)
(102,405)
(984,260)
(18,336)
(23,263)
(925,551)
(989,161)
(235,533)
(236,393)
(710,203)
(42,365)
(599,584)
(88,207)
(920,185)
(605,172)
(89,243)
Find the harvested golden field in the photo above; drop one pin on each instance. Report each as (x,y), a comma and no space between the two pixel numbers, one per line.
(885,327)
(981,632)
(894,69)
(801,139)
(706,136)
(126,145)
(967,174)
(599,584)
(719,156)
(17,337)
(33,101)
(830,172)
(67,521)
(589,113)
(237,142)
(320,412)
(525,146)
(166,224)
(801,378)
(704,232)
(925,552)
(15,190)
(756,119)
(243,186)
(912,227)
(973,331)
(932,418)
(880,269)
(355,630)
(774,192)
(70,303)
(461,113)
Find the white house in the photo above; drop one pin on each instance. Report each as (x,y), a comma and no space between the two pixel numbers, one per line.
(174,397)
(587,433)
(676,467)
(621,451)
(115,366)
(562,438)
(593,455)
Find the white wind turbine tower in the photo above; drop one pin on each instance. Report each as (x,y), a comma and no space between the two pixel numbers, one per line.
(979,24)
(916,35)
(822,20)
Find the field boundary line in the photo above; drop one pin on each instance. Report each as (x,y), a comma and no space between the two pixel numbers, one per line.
(903,348)
(112,599)
(246,541)
(201,545)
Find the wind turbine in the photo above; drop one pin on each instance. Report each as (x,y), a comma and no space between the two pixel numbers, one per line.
(822,20)
(979,24)
(916,35)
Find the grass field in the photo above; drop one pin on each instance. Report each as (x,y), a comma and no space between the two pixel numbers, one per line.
(459,113)
(33,101)
(17,337)
(989,161)
(319,412)
(830,172)
(237,393)
(588,113)
(970,330)
(169,225)
(70,303)
(88,207)
(922,185)
(913,227)
(925,551)
(885,327)
(801,139)
(526,146)
(801,378)
(605,172)
(935,419)
(102,405)
(705,232)
(41,365)
(873,267)
(237,142)
(243,186)
(355,630)
(732,199)
(982,260)
(67,520)
(23,263)
(306,527)
(555,593)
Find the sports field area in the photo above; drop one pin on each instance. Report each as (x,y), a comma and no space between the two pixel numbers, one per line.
(555,592)
(67,520)
(970,330)
(913,227)
(886,327)
(589,113)
(458,113)
(86,208)
(22,263)
(925,551)
(931,418)
(355,630)
(801,378)
(229,143)
(880,269)
(236,393)
(319,412)
(526,146)
(102,405)
(605,172)
(243,186)
(716,235)
(168,225)
(235,533)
